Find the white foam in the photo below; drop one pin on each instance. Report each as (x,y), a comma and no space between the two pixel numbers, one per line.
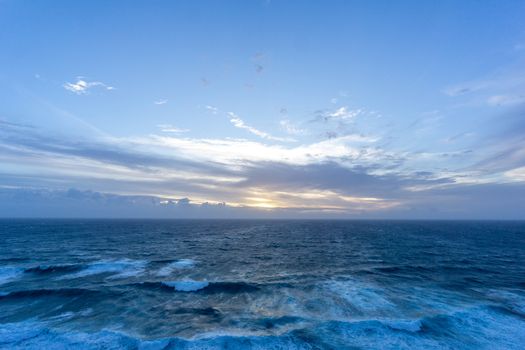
(363,296)
(477,328)
(184,263)
(10,273)
(118,268)
(404,325)
(36,335)
(180,264)
(187,285)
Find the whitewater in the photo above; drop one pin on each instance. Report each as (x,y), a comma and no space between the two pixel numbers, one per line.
(256,284)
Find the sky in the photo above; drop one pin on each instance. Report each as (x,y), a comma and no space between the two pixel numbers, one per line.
(270,109)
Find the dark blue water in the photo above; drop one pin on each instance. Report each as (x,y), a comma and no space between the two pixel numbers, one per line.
(261,284)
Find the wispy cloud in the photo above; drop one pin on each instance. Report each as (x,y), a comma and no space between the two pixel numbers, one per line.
(212,109)
(505,100)
(82,86)
(343,114)
(161,102)
(291,128)
(171,128)
(517,174)
(239,123)
(497,89)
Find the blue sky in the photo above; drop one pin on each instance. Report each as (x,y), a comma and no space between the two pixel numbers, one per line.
(351,109)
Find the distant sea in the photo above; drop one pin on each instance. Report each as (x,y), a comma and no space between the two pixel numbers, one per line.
(253,284)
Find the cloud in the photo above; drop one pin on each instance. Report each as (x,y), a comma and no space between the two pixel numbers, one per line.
(475,201)
(239,123)
(328,176)
(505,100)
(104,158)
(460,136)
(340,114)
(345,175)
(503,157)
(74,203)
(171,128)
(205,169)
(160,102)
(496,89)
(517,174)
(234,152)
(458,202)
(344,113)
(213,110)
(291,128)
(31,202)
(82,86)
(502,146)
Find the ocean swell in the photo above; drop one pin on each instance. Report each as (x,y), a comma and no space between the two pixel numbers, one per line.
(475,328)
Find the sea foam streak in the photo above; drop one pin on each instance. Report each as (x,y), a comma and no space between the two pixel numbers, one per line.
(117,268)
(180,264)
(471,329)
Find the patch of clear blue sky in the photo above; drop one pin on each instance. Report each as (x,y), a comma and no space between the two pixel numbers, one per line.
(392,56)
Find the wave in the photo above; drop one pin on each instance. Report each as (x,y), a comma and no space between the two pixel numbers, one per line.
(510,301)
(10,273)
(187,285)
(475,328)
(179,264)
(122,268)
(206,287)
(363,297)
(48,269)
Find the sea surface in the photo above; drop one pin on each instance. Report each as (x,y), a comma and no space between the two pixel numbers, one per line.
(220,284)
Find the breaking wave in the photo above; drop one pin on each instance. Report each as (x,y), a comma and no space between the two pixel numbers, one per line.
(122,268)
(475,328)
(179,264)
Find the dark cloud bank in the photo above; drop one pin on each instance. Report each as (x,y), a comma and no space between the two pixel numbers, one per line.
(466,202)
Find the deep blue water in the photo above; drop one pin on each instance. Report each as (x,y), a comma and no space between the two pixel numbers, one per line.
(121,284)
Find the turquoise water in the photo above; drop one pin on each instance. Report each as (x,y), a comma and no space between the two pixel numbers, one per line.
(159,284)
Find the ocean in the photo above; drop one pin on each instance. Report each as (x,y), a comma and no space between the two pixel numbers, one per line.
(256,284)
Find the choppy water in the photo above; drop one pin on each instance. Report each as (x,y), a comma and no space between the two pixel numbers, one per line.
(261,284)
